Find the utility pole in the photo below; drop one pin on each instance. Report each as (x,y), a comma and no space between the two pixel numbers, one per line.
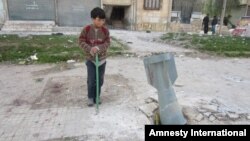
(222,14)
(248,1)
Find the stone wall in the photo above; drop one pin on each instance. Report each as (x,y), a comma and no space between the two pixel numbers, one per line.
(31,26)
(155,20)
(195,26)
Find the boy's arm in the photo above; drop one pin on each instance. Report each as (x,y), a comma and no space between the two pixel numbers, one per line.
(82,41)
(103,47)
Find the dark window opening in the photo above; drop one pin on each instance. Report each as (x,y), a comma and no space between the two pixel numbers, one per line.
(117,17)
(118,13)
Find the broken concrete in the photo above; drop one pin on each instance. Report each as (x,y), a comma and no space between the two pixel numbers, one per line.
(248,117)
(148,109)
(210,108)
(233,116)
(221,116)
(199,117)
(207,114)
(212,118)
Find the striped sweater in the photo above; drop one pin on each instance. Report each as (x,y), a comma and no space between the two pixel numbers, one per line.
(91,37)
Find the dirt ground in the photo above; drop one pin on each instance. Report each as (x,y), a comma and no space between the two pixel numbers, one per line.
(48,102)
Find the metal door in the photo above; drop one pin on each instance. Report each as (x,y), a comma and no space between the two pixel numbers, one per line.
(31,9)
(75,12)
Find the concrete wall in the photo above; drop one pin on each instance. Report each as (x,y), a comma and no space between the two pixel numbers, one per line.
(237,14)
(108,10)
(243,2)
(128,17)
(155,20)
(2,11)
(176,27)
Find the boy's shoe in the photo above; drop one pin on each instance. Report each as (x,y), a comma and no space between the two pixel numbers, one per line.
(91,102)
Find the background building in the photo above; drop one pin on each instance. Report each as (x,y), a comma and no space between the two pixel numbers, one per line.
(126,14)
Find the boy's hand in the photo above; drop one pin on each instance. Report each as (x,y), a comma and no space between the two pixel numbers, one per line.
(94,50)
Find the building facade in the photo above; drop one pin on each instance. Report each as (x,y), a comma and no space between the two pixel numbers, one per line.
(138,14)
(242,10)
(126,14)
(154,15)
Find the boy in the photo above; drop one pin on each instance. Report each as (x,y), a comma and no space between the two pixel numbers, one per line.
(94,39)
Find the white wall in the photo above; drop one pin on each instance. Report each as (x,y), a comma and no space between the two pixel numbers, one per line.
(237,14)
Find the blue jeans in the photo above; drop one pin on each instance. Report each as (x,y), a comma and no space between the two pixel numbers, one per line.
(213,29)
(91,78)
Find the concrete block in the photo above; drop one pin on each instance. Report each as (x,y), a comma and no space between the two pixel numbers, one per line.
(210,108)
(248,117)
(233,116)
(148,109)
(199,117)
(221,116)
(212,118)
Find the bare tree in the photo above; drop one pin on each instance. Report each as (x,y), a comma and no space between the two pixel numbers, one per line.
(186,7)
(213,7)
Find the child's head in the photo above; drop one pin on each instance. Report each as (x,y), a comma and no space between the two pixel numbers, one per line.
(98,17)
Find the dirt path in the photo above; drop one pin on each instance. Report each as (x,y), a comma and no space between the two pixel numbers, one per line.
(48,102)
(143,43)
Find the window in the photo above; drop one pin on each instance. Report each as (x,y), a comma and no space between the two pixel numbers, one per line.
(152,4)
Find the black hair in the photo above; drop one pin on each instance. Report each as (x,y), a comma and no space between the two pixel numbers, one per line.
(98,13)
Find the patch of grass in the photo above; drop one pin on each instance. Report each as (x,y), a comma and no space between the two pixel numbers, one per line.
(223,46)
(175,36)
(167,36)
(117,47)
(49,48)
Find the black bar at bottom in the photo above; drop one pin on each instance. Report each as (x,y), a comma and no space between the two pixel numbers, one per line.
(195,132)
